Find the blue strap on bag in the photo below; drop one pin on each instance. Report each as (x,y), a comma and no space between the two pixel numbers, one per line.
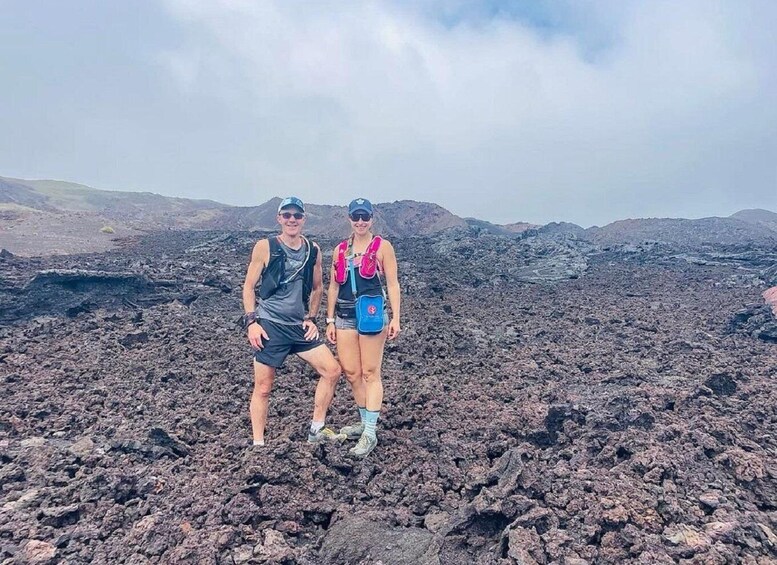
(369,308)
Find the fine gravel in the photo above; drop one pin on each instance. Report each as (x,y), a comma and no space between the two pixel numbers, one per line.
(548,401)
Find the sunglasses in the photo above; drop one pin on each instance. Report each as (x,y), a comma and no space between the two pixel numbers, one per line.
(296,215)
(361,217)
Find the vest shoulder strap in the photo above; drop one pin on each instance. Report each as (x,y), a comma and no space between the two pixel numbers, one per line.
(374,245)
(313,251)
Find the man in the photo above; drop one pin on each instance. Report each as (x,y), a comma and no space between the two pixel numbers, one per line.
(290,292)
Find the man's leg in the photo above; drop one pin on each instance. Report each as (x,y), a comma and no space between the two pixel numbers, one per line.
(350,359)
(325,364)
(260,399)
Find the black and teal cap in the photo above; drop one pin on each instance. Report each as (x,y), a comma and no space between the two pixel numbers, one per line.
(291,201)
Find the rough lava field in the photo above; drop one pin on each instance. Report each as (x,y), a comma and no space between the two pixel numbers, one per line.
(549,401)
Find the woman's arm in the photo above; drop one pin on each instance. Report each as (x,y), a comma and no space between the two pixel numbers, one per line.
(331,302)
(389,261)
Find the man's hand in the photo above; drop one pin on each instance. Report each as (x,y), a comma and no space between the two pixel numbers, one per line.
(255,335)
(311,330)
(331,333)
(393,328)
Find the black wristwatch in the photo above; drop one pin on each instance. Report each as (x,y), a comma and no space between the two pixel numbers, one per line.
(249,319)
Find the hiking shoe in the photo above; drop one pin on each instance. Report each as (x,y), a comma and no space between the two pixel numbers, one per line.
(364,447)
(354,431)
(325,434)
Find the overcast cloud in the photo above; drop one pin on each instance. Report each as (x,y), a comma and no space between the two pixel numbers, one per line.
(577,111)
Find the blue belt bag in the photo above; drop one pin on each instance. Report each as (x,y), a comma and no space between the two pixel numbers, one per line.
(369,308)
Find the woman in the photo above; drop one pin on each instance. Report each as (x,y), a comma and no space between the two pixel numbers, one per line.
(368,260)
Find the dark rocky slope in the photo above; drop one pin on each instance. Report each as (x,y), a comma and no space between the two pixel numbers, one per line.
(548,402)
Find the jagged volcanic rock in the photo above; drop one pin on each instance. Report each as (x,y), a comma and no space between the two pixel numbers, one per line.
(549,401)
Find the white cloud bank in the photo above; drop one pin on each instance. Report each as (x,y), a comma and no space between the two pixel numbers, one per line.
(676,116)
(611,110)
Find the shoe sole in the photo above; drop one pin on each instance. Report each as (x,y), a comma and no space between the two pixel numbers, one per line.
(361,455)
(339,438)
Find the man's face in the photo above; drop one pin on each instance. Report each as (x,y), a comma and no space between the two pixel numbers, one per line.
(291,220)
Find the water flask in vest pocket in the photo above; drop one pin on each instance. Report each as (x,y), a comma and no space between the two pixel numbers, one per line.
(369,314)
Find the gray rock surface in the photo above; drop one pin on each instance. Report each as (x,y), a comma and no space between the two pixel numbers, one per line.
(356,539)
(624,415)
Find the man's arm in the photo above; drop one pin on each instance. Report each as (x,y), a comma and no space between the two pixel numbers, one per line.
(318,286)
(259,257)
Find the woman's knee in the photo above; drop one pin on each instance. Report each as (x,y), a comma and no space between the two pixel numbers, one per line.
(370,374)
(353,374)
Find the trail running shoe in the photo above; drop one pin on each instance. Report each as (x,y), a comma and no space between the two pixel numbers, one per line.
(364,447)
(325,434)
(354,431)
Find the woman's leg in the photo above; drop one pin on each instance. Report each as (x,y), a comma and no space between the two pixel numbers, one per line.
(371,352)
(350,359)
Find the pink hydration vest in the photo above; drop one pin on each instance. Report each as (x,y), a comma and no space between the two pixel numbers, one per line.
(369,263)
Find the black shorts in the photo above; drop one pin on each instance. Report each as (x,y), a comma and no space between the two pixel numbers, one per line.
(283,341)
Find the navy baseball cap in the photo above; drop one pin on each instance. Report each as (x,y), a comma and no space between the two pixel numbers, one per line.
(360,204)
(291,201)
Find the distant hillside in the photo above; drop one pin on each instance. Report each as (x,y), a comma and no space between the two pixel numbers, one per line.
(76,213)
(509,230)
(408,217)
(681,232)
(47,216)
(763,218)
(141,210)
(564,228)
(17,195)
(520,227)
(148,211)
(400,218)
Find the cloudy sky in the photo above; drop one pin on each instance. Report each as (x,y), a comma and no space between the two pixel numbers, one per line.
(572,110)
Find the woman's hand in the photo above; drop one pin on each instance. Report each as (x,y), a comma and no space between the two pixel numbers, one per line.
(393,328)
(331,333)
(255,335)
(311,330)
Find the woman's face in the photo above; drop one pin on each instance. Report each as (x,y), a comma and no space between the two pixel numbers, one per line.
(361,222)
